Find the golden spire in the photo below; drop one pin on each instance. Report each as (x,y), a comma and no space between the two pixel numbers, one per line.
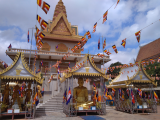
(59,8)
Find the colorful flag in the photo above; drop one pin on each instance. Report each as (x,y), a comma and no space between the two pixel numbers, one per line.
(137,34)
(113,92)
(132,95)
(107,52)
(115,49)
(123,42)
(57,47)
(37,31)
(28,36)
(42,63)
(45,7)
(98,44)
(127,92)
(69,96)
(155,96)
(64,96)
(158,60)
(140,92)
(94,27)
(41,35)
(83,39)
(120,92)
(104,44)
(82,49)
(38,71)
(105,16)
(10,46)
(42,22)
(117,3)
(89,35)
(94,85)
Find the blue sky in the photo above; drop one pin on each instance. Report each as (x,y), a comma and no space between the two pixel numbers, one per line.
(127,18)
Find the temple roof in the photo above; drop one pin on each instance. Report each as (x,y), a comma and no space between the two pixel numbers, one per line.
(59,8)
(87,69)
(149,50)
(19,71)
(132,75)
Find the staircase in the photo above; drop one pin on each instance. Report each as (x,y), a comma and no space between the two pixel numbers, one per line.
(54,104)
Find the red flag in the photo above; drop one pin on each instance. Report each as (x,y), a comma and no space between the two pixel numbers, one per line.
(117,3)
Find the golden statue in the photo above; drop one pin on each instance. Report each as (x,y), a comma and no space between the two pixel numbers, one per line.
(39,91)
(80,95)
(28,93)
(16,95)
(6,92)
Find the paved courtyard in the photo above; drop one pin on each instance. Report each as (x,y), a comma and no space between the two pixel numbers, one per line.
(111,115)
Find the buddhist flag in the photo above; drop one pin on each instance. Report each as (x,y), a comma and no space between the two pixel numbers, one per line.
(37,31)
(117,3)
(94,27)
(42,22)
(137,34)
(89,35)
(158,60)
(123,42)
(82,49)
(28,36)
(105,16)
(115,49)
(132,95)
(104,44)
(107,52)
(41,36)
(98,44)
(45,7)
(140,92)
(113,92)
(155,96)
(83,39)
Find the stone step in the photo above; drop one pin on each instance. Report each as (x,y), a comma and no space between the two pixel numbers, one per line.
(47,109)
(55,106)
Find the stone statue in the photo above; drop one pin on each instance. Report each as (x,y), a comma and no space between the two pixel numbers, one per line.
(6,93)
(15,96)
(80,93)
(28,93)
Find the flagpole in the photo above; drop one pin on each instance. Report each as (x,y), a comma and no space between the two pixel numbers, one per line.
(30,46)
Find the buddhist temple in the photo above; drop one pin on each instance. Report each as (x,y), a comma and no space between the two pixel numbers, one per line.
(61,33)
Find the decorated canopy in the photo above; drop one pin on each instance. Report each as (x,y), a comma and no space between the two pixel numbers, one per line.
(135,75)
(19,71)
(84,68)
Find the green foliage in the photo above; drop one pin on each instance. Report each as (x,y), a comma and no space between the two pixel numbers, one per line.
(152,70)
(115,71)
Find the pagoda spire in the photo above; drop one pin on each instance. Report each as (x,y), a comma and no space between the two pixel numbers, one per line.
(59,8)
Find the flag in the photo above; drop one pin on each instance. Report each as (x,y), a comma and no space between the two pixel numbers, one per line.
(98,44)
(69,96)
(38,71)
(105,16)
(42,22)
(155,96)
(64,96)
(41,35)
(140,92)
(132,95)
(89,35)
(137,34)
(42,63)
(104,44)
(28,36)
(158,60)
(94,85)
(57,47)
(127,92)
(42,91)
(94,27)
(82,49)
(83,39)
(123,42)
(113,91)
(45,7)
(107,52)
(10,46)
(120,92)
(115,49)
(117,3)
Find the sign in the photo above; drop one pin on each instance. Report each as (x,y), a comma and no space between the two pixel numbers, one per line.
(93,108)
(80,108)
(9,110)
(16,110)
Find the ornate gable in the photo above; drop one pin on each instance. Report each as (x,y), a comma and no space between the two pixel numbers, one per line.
(61,26)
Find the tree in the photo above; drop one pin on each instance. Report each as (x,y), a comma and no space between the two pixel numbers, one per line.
(115,71)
